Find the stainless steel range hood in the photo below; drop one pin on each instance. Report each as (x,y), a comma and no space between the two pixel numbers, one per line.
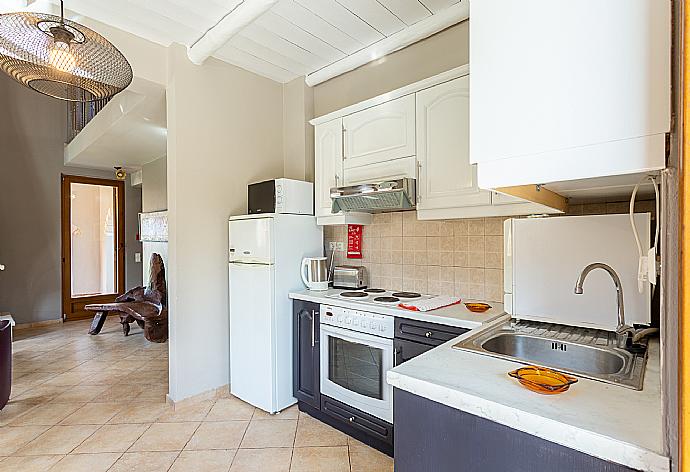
(390,195)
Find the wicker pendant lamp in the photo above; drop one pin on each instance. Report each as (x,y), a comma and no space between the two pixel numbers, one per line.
(61,58)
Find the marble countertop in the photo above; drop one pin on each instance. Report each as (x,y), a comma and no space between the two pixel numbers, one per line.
(613,423)
(456,315)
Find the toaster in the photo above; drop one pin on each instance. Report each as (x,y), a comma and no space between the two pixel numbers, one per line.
(346,276)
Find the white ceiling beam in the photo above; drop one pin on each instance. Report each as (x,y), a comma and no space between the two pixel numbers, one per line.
(226,28)
(420,30)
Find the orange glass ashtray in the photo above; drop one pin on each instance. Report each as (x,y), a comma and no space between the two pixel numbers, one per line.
(477,307)
(543,380)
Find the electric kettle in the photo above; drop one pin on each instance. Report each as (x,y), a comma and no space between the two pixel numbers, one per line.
(315,273)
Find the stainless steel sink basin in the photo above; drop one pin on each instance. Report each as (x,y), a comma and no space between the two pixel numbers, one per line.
(585,352)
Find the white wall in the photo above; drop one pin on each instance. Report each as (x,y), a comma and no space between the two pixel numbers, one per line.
(224,131)
(154,197)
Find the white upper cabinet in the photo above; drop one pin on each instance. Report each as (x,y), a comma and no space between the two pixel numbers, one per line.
(568,90)
(380,133)
(446,177)
(328,151)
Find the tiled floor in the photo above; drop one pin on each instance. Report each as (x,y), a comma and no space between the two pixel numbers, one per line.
(97,403)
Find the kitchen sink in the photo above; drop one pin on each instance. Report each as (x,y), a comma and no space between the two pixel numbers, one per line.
(584,352)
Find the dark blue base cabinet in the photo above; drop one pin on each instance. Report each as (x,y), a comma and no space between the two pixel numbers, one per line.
(431,437)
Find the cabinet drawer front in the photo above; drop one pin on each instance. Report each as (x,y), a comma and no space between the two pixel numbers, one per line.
(380,133)
(391,170)
(360,420)
(427,333)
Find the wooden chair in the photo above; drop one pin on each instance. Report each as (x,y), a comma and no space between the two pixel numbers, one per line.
(148,306)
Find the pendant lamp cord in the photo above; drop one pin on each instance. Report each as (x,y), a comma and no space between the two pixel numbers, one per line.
(62,12)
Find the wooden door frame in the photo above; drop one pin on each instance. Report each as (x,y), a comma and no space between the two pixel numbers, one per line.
(65,231)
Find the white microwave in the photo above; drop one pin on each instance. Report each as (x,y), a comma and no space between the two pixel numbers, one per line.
(281,196)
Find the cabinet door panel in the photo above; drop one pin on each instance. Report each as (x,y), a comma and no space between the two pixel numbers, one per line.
(380,133)
(446,177)
(328,150)
(306,367)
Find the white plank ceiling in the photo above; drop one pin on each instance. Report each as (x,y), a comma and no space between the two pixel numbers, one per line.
(294,38)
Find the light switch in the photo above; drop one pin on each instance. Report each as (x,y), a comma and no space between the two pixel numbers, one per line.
(2,266)
(137,257)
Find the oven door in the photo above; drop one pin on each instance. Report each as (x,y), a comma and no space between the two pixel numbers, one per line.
(353,370)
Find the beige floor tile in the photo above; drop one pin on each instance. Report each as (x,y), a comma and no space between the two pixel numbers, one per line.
(262,460)
(84,393)
(86,463)
(366,459)
(14,409)
(228,409)
(144,462)
(58,440)
(147,412)
(218,435)
(155,393)
(312,432)
(270,433)
(320,459)
(47,414)
(118,393)
(290,413)
(70,378)
(94,413)
(203,461)
(13,438)
(41,393)
(165,437)
(195,411)
(112,438)
(29,463)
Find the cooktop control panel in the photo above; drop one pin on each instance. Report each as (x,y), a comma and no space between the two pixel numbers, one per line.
(357,320)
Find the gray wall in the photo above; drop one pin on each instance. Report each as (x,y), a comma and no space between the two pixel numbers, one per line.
(154,185)
(32,128)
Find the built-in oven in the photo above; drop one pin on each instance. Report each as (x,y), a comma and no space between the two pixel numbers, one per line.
(356,352)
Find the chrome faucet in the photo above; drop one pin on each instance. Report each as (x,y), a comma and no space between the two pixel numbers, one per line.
(622,330)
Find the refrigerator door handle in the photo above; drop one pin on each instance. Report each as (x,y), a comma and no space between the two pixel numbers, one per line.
(251,263)
(313,327)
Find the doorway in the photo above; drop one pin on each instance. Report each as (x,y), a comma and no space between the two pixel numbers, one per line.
(93,243)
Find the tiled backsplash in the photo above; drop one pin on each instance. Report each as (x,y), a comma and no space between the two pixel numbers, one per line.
(447,257)
(450,257)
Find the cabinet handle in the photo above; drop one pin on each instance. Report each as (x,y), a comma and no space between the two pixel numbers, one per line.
(313,327)
(395,357)
(352,419)
(337,177)
(428,334)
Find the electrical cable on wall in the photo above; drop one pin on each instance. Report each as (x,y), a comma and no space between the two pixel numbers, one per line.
(647,269)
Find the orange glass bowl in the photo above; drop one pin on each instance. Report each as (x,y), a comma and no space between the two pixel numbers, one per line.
(543,380)
(477,307)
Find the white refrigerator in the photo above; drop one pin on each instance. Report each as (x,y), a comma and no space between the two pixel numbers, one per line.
(265,253)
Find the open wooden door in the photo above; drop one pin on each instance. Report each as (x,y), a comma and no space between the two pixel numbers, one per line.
(93,243)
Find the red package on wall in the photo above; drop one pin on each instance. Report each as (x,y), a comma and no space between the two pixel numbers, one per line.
(354,241)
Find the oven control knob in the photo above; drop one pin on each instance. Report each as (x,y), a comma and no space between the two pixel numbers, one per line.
(382,328)
(355,322)
(340,318)
(348,320)
(279,189)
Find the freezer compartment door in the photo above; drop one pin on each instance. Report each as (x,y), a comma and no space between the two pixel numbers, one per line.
(251,241)
(252,365)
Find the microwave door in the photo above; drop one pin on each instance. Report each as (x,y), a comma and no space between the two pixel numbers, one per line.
(251,241)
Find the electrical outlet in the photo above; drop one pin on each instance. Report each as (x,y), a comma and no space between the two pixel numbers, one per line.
(137,257)
(336,246)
